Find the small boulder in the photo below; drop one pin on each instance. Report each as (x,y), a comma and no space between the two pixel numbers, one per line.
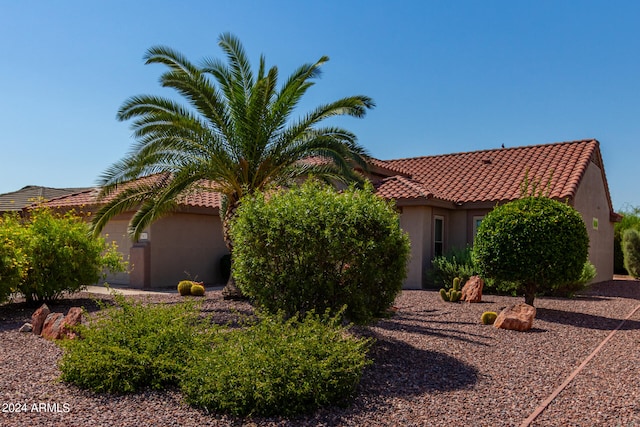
(73,318)
(52,324)
(27,327)
(38,318)
(517,317)
(472,289)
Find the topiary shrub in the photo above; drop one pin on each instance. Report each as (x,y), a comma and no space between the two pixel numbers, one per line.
(631,251)
(197,290)
(569,289)
(312,248)
(535,242)
(630,220)
(184,287)
(277,367)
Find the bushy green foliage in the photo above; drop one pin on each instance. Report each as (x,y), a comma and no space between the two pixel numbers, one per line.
(569,289)
(311,248)
(48,254)
(277,367)
(131,346)
(536,242)
(13,259)
(631,250)
(630,220)
(454,263)
(488,317)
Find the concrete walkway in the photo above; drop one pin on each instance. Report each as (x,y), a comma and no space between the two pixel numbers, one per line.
(124,290)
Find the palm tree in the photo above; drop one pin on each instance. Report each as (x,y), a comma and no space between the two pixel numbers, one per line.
(236,134)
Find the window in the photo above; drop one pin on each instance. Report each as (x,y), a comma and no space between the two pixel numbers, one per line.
(438,236)
(476,224)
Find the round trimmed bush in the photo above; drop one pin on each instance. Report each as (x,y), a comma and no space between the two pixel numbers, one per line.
(536,242)
(312,248)
(631,251)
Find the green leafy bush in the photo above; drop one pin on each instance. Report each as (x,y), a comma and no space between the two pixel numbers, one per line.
(630,220)
(535,242)
(48,254)
(311,248)
(131,346)
(13,259)
(631,251)
(569,289)
(277,367)
(454,263)
(63,256)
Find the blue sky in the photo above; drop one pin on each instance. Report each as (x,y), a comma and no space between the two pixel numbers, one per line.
(447,76)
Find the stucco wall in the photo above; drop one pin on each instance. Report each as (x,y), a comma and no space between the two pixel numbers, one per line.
(116,230)
(185,246)
(591,202)
(416,221)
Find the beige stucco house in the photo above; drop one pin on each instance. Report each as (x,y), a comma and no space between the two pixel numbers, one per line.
(442,199)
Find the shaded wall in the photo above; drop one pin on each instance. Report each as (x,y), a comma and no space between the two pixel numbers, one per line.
(591,201)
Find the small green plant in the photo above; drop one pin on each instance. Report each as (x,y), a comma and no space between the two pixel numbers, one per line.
(488,317)
(454,294)
(277,367)
(454,263)
(184,287)
(197,289)
(631,251)
(131,346)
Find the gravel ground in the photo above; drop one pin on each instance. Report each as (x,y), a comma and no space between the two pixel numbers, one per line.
(435,365)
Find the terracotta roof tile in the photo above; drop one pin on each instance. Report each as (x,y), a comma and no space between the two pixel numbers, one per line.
(400,188)
(495,175)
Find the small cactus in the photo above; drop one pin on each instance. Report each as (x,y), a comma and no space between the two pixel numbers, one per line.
(454,294)
(184,287)
(488,317)
(197,289)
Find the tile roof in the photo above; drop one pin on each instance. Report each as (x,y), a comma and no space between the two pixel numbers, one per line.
(496,175)
(16,200)
(204,197)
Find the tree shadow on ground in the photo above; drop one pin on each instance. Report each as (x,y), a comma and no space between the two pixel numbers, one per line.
(583,320)
(400,369)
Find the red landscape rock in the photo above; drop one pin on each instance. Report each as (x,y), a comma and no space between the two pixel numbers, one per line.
(38,318)
(472,289)
(73,318)
(517,317)
(51,328)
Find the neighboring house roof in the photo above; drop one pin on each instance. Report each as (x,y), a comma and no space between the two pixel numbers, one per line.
(202,198)
(17,200)
(497,175)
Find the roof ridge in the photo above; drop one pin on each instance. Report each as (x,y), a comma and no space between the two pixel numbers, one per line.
(488,150)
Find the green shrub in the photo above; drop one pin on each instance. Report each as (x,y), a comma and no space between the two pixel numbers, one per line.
(13,259)
(62,256)
(311,248)
(631,251)
(569,289)
(277,367)
(630,220)
(131,346)
(535,242)
(454,263)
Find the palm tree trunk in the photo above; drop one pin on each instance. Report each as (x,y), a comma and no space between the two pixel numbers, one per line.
(529,293)
(230,290)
